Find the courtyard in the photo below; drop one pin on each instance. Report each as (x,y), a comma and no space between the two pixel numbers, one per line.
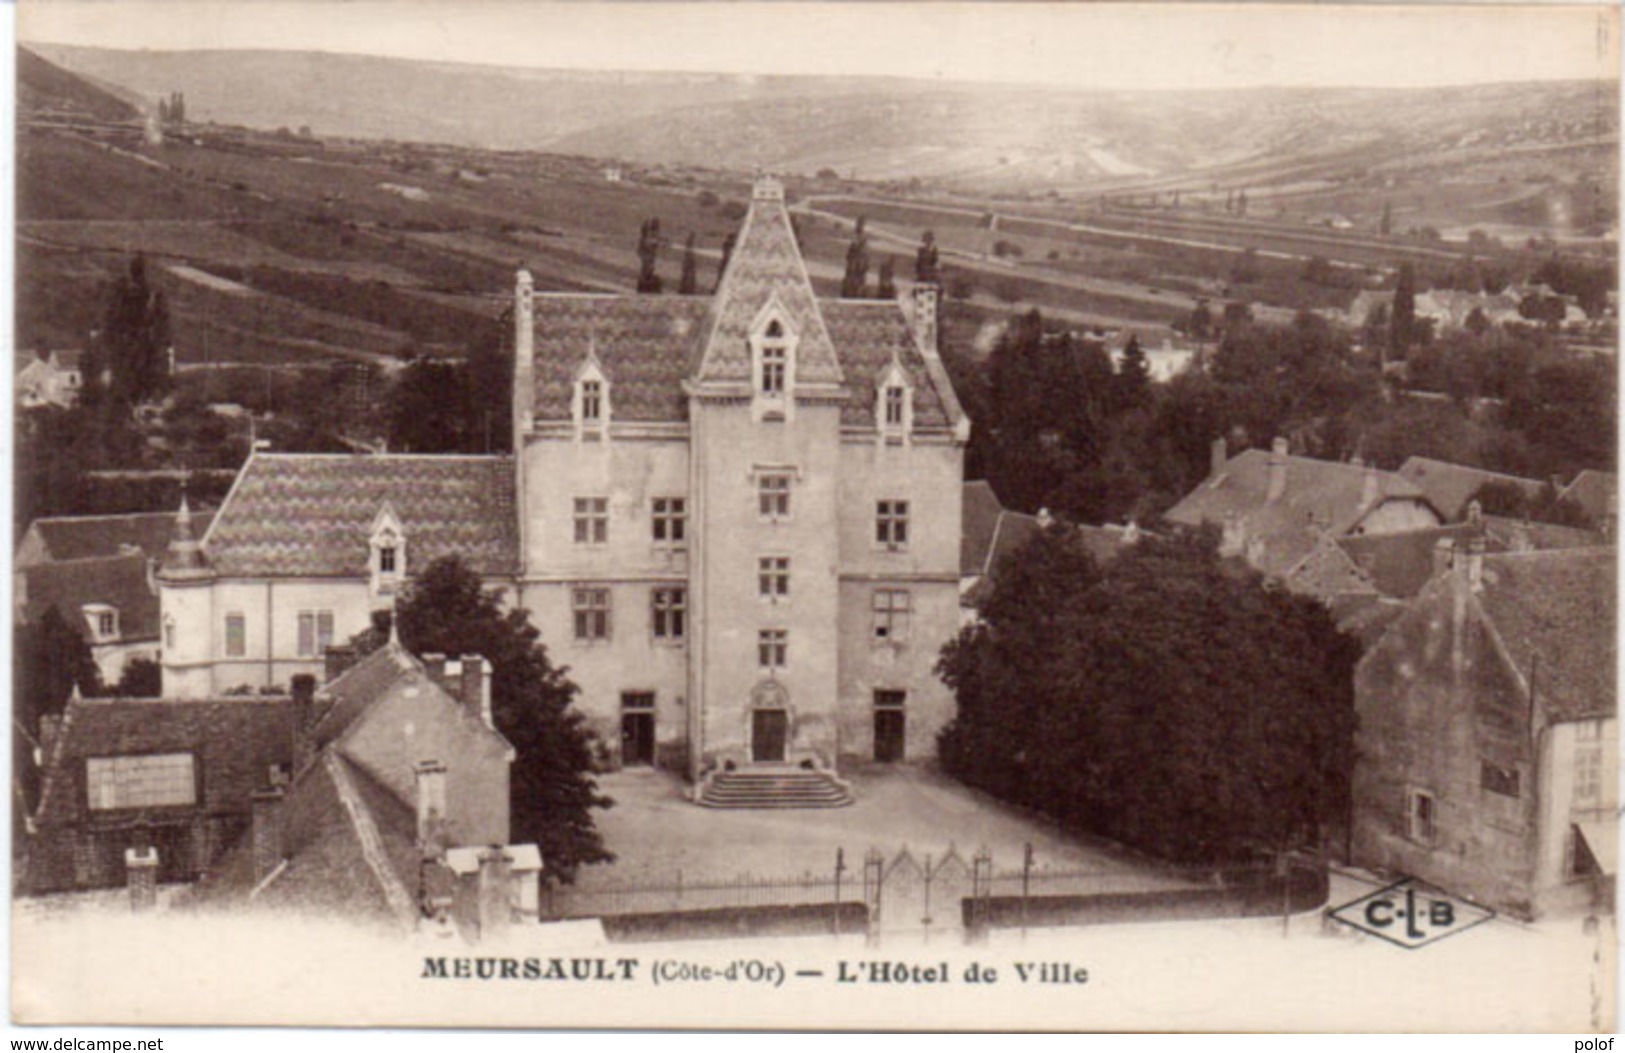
(658,835)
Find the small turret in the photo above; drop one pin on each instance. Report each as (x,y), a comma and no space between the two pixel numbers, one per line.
(184,559)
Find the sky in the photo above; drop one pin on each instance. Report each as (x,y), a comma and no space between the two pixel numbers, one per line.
(1103,45)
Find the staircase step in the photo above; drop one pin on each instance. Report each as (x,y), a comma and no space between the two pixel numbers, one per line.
(775,788)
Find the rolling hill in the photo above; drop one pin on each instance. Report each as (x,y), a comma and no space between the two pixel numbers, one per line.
(971,136)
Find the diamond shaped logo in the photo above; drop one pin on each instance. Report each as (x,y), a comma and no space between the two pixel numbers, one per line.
(1410,914)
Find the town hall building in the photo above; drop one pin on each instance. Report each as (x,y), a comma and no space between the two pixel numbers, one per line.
(736,519)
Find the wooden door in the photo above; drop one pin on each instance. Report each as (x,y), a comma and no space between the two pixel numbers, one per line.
(638,739)
(768,731)
(889,734)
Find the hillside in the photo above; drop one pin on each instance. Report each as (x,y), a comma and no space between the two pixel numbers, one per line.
(45,89)
(976,136)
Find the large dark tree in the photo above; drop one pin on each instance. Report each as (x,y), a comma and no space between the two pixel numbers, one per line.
(927,260)
(648,256)
(1171,701)
(886,284)
(1402,316)
(51,658)
(727,254)
(447,611)
(857,264)
(689,284)
(131,360)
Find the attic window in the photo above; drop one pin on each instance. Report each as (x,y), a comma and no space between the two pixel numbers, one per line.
(102,621)
(773,364)
(592,402)
(895,397)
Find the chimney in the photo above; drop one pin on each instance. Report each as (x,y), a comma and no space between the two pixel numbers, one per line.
(924,296)
(1044,518)
(431,786)
(1370,486)
(495,898)
(1475,513)
(336,661)
(524,354)
(1444,555)
(434,664)
(267,832)
(476,688)
(1218,456)
(1277,470)
(141,874)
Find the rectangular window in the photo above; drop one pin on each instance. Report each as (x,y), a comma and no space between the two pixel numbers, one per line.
(386,559)
(637,700)
(1588,773)
(894,407)
(1423,816)
(106,624)
(773,360)
(670,521)
(159,780)
(236,636)
(890,699)
(315,633)
(773,495)
(591,520)
(891,610)
(773,576)
(592,401)
(591,614)
(772,648)
(891,523)
(669,613)
(1498,779)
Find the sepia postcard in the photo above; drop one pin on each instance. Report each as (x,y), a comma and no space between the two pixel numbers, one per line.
(797,516)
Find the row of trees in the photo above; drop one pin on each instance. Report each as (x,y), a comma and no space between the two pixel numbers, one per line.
(1167,701)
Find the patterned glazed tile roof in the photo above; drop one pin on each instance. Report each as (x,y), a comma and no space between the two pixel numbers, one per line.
(235,741)
(646,346)
(1450,486)
(869,335)
(312,514)
(766,264)
(1555,613)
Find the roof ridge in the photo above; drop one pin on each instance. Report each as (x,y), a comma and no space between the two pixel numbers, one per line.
(369,839)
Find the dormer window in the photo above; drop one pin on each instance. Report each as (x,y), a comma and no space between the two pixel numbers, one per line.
(102,621)
(590,404)
(773,339)
(387,556)
(894,404)
(774,359)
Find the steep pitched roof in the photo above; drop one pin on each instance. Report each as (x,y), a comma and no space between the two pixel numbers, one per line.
(765,266)
(1327,572)
(312,514)
(646,346)
(1450,486)
(870,335)
(1320,496)
(1554,612)
(359,687)
(85,537)
(235,742)
(119,581)
(1508,534)
(1400,564)
(979,520)
(1593,491)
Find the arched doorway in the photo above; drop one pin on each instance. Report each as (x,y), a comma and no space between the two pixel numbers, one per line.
(769,729)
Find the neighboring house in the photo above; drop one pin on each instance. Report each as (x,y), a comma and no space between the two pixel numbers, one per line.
(1486,751)
(401,788)
(97,571)
(121,774)
(1450,486)
(1365,302)
(1597,494)
(736,519)
(51,378)
(1276,511)
(1162,363)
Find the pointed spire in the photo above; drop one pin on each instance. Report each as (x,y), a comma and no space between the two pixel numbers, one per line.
(184,558)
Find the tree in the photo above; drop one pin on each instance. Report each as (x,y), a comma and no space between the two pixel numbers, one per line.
(428,409)
(927,263)
(1387,224)
(50,660)
(648,256)
(1133,387)
(135,340)
(141,678)
(1402,315)
(886,284)
(1169,701)
(446,610)
(689,284)
(727,254)
(857,264)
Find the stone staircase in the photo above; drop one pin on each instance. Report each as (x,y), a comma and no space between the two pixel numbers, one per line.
(786,787)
